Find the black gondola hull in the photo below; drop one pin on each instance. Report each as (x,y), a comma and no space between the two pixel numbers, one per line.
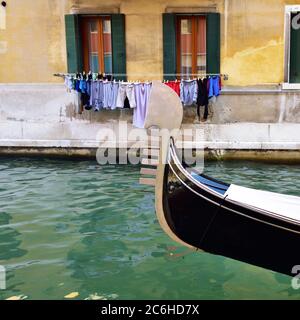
(212,224)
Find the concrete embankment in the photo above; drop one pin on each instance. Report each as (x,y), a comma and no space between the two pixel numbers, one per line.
(37,119)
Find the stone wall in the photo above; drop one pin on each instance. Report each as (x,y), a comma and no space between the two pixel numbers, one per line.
(46,116)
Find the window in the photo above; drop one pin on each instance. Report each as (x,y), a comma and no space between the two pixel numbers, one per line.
(191,45)
(292,47)
(295,48)
(97,44)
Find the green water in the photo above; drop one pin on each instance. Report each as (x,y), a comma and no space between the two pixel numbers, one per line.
(69,226)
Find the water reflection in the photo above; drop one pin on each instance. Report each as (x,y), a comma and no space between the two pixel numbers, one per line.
(9,248)
(69,226)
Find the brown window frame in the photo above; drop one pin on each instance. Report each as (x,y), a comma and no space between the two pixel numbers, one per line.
(84,22)
(194,18)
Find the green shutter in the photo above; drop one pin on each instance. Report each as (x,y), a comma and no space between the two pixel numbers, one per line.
(73,39)
(213,40)
(169,44)
(119,46)
(295,54)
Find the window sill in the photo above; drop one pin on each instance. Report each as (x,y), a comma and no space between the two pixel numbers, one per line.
(290,86)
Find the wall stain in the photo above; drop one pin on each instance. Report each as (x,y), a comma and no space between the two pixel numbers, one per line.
(256,65)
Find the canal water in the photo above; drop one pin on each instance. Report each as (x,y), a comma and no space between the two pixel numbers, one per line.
(78,230)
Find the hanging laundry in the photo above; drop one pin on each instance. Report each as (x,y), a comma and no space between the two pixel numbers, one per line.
(110,94)
(98,91)
(142,94)
(83,86)
(97,95)
(214,87)
(175,85)
(126,104)
(84,95)
(126,90)
(69,83)
(87,98)
(202,98)
(79,107)
(188,92)
(76,85)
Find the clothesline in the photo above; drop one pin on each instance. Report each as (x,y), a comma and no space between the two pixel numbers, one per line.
(110,94)
(198,75)
(150,76)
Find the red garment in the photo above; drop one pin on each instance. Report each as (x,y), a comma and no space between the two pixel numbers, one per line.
(175,85)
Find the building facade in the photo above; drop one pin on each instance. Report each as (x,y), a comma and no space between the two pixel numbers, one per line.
(252,37)
(253,44)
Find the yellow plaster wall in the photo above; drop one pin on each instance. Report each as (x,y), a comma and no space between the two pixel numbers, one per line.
(34,41)
(253,41)
(32,45)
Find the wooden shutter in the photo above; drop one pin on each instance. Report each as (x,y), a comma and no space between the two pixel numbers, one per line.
(169,46)
(119,46)
(213,39)
(73,40)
